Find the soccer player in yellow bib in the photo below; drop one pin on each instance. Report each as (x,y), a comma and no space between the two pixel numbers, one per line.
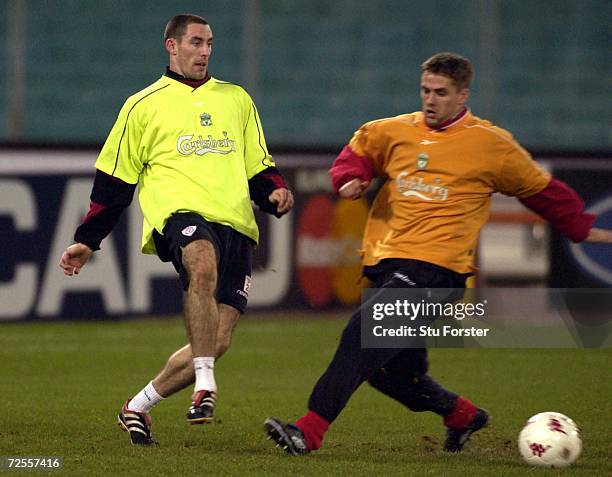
(195,148)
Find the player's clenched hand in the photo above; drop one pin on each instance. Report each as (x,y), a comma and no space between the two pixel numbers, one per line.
(353,189)
(283,198)
(74,257)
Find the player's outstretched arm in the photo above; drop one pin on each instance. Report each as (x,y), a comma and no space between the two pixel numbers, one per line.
(283,198)
(564,209)
(597,235)
(74,258)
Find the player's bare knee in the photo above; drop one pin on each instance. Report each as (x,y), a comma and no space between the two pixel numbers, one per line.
(203,277)
(199,259)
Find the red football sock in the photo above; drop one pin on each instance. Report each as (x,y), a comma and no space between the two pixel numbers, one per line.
(314,428)
(462,415)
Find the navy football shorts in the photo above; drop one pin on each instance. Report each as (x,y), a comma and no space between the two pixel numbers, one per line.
(234,254)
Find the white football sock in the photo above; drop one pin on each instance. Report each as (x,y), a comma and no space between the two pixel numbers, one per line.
(204,374)
(145,399)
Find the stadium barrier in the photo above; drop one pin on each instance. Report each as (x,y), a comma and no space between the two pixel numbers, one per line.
(308,259)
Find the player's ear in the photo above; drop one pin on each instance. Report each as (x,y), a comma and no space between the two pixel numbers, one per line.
(171,46)
(464,95)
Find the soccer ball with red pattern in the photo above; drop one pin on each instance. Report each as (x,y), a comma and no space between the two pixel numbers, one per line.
(550,439)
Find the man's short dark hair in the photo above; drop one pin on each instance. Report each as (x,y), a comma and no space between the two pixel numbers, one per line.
(455,66)
(177,26)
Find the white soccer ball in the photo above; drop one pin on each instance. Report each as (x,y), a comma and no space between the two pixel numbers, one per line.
(550,439)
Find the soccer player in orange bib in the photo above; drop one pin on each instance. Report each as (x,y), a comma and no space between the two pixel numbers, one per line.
(441,165)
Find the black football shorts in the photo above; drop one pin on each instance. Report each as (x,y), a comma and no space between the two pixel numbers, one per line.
(234,254)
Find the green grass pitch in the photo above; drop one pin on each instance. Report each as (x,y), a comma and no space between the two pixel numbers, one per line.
(62,384)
